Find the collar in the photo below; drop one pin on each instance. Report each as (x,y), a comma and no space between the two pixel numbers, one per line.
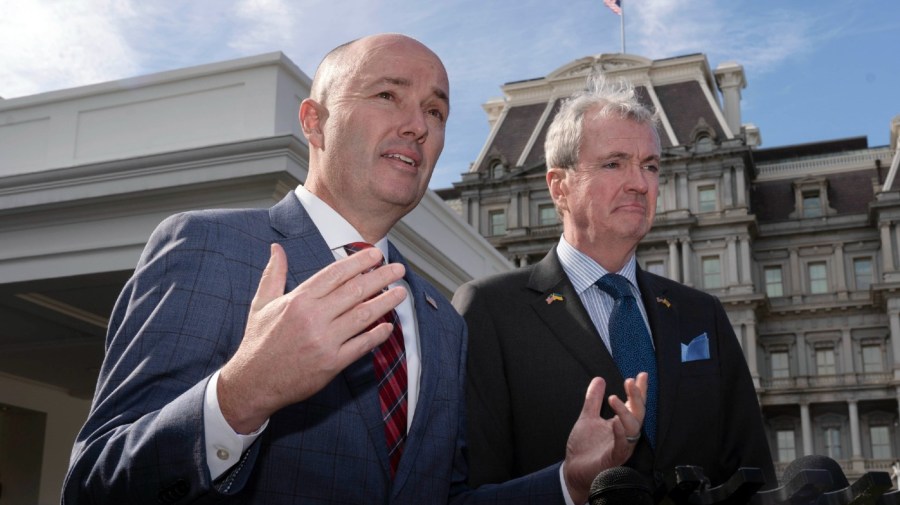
(583,271)
(336,231)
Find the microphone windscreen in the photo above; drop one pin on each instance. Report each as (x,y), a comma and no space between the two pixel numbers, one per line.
(817,462)
(620,485)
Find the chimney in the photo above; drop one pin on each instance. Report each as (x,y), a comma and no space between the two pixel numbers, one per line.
(731,80)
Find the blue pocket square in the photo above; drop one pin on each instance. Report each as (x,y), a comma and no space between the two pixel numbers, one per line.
(696,350)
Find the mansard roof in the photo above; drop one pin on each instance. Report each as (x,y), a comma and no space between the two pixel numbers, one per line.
(683,89)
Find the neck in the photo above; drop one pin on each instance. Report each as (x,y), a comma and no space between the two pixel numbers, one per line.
(611,254)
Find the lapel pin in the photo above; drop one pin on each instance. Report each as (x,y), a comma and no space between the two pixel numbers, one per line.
(431,302)
(664,301)
(554,297)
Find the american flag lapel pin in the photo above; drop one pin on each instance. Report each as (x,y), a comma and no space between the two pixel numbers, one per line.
(665,301)
(554,297)
(431,301)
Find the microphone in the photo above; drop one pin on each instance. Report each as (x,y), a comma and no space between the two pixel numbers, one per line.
(817,462)
(620,485)
(737,490)
(803,487)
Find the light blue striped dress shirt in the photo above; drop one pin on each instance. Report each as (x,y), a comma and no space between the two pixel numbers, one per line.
(583,272)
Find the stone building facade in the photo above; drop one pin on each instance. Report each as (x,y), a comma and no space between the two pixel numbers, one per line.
(799,242)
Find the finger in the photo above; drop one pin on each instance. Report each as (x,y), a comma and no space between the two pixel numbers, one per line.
(593,399)
(338,273)
(643,382)
(272,282)
(363,315)
(630,417)
(360,345)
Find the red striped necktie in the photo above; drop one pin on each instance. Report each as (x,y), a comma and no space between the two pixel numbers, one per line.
(390,370)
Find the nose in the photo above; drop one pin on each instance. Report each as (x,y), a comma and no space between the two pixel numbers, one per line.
(637,179)
(414,124)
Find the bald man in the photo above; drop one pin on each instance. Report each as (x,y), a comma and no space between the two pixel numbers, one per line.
(270,356)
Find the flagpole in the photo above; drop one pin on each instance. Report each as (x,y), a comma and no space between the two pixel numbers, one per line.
(622,23)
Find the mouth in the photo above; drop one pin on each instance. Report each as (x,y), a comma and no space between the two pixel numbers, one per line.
(405,159)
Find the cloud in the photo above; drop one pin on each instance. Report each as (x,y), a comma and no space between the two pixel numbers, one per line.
(761,42)
(51,45)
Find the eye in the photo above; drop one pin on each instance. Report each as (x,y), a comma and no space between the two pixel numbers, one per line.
(438,113)
(612,165)
(651,168)
(387,95)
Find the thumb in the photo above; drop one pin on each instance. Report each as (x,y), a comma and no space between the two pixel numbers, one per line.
(272,282)
(593,399)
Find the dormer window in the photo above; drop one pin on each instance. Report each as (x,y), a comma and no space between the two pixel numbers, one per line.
(497,169)
(812,204)
(811,198)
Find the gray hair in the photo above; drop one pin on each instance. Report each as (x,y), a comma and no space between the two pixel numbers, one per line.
(602,98)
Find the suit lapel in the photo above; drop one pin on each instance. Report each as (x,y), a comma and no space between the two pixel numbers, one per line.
(307,254)
(570,323)
(663,319)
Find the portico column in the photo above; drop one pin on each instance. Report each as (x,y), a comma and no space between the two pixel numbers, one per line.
(806,429)
(895,342)
(839,270)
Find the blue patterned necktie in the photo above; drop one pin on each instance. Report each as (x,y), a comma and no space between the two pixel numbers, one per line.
(631,345)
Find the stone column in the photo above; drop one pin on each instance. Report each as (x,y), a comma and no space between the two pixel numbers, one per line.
(727,199)
(848,371)
(740,188)
(802,361)
(674,267)
(750,351)
(686,257)
(887,248)
(806,429)
(747,275)
(731,272)
(855,444)
(895,341)
(796,285)
(840,272)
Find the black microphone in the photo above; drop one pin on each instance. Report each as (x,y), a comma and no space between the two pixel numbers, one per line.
(803,487)
(620,485)
(867,490)
(817,462)
(737,490)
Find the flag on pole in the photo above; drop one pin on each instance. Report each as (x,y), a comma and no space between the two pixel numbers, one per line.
(615,5)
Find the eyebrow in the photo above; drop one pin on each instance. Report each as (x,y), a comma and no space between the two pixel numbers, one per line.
(624,155)
(405,83)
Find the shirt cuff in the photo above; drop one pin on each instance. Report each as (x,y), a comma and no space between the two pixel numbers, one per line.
(224,447)
(565,488)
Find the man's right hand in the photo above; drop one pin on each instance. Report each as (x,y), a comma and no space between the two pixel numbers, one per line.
(295,343)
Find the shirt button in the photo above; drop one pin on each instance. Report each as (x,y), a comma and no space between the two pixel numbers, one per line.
(222,454)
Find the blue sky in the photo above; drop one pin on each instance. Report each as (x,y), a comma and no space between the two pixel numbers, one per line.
(816,69)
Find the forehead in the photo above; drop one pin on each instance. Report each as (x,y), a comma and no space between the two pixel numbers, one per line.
(399,59)
(607,133)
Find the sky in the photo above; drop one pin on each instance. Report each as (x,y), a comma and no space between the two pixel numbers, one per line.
(816,69)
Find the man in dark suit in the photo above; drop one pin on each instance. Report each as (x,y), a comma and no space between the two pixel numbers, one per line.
(539,334)
(268,356)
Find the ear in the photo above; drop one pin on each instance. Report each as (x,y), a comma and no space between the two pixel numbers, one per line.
(557,182)
(312,121)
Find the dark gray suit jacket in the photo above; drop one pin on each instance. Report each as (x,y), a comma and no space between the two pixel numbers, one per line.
(182,316)
(530,362)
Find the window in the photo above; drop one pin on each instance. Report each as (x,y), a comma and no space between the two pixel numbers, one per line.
(706,195)
(498,222)
(656,267)
(812,204)
(818,278)
(497,169)
(862,271)
(881,442)
(774,286)
(547,215)
(785,443)
(825,362)
(833,443)
(781,366)
(871,358)
(712,272)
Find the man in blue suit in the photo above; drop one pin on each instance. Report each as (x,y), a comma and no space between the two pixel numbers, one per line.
(539,334)
(253,359)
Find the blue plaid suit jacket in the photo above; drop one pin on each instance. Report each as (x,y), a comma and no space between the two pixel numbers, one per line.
(181,317)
